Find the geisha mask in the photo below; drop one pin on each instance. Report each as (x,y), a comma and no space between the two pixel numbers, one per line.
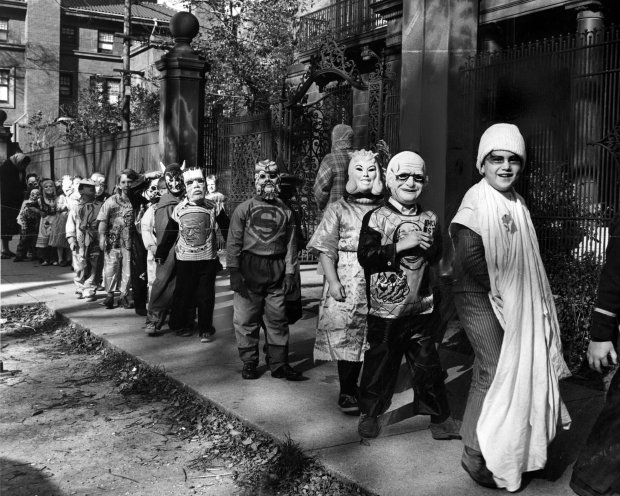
(267,180)
(364,176)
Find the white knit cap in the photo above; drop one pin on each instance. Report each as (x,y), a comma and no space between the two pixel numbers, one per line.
(502,136)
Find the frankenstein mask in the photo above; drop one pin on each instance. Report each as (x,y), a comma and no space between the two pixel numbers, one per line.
(195,186)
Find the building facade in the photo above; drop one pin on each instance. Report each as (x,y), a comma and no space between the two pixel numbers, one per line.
(50,50)
(431,75)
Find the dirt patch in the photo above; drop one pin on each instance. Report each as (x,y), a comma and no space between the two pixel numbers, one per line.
(80,418)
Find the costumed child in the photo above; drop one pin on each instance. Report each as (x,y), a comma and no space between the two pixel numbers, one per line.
(147,231)
(197,262)
(160,300)
(398,243)
(116,223)
(28,220)
(261,255)
(47,205)
(101,195)
(58,236)
(341,328)
(82,236)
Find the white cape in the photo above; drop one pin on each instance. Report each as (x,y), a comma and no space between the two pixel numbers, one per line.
(523,406)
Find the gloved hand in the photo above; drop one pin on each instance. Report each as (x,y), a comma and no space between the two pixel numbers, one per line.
(289,284)
(237,284)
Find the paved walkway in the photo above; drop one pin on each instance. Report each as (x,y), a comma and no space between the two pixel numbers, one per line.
(404,460)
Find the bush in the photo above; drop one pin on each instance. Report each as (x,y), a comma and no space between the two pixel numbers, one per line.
(574,283)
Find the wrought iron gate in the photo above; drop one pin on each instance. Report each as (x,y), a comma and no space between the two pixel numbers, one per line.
(564,94)
(243,141)
(384,107)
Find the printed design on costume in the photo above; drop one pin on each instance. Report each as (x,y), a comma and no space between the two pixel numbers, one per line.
(411,262)
(195,228)
(265,222)
(509,224)
(390,287)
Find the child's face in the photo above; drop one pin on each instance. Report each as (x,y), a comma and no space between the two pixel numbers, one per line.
(211,188)
(501,169)
(49,188)
(407,182)
(35,194)
(124,183)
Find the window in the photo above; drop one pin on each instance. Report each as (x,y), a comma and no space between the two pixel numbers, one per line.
(68,35)
(106,42)
(114,90)
(108,87)
(66,84)
(5,93)
(4,30)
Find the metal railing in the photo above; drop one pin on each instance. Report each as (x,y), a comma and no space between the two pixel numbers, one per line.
(564,94)
(343,19)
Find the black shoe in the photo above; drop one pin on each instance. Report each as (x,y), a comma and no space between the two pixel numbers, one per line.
(368,426)
(108,302)
(249,371)
(348,404)
(141,311)
(287,372)
(125,303)
(473,463)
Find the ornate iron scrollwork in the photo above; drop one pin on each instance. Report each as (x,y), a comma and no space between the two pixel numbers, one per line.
(610,143)
(329,63)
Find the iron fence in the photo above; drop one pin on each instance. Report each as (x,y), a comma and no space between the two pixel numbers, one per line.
(343,19)
(564,94)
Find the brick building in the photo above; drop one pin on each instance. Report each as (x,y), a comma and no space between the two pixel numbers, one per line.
(52,49)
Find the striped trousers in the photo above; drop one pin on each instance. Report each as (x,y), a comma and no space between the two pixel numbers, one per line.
(485,335)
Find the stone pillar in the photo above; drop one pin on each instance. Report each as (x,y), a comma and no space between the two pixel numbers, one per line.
(437,38)
(5,139)
(181,115)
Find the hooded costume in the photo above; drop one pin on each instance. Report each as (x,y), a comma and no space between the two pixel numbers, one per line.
(331,177)
(156,220)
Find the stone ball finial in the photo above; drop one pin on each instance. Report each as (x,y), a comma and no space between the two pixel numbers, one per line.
(184,27)
(3,117)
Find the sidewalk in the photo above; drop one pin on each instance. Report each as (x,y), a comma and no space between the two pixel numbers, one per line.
(404,460)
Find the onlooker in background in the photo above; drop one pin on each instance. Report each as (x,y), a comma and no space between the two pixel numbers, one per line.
(212,193)
(11,195)
(162,289)
(58,234)
(82,236)
(506,307)
(341,327)
(597,469)
(196,257)
(116,222)
(28,219)
(48,206)
(331,177)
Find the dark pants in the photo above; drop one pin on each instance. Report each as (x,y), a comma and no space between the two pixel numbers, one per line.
(348,374)
(389,340)
(139,286)
(195,289)
(597,470)
(27,242)
(162,291)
